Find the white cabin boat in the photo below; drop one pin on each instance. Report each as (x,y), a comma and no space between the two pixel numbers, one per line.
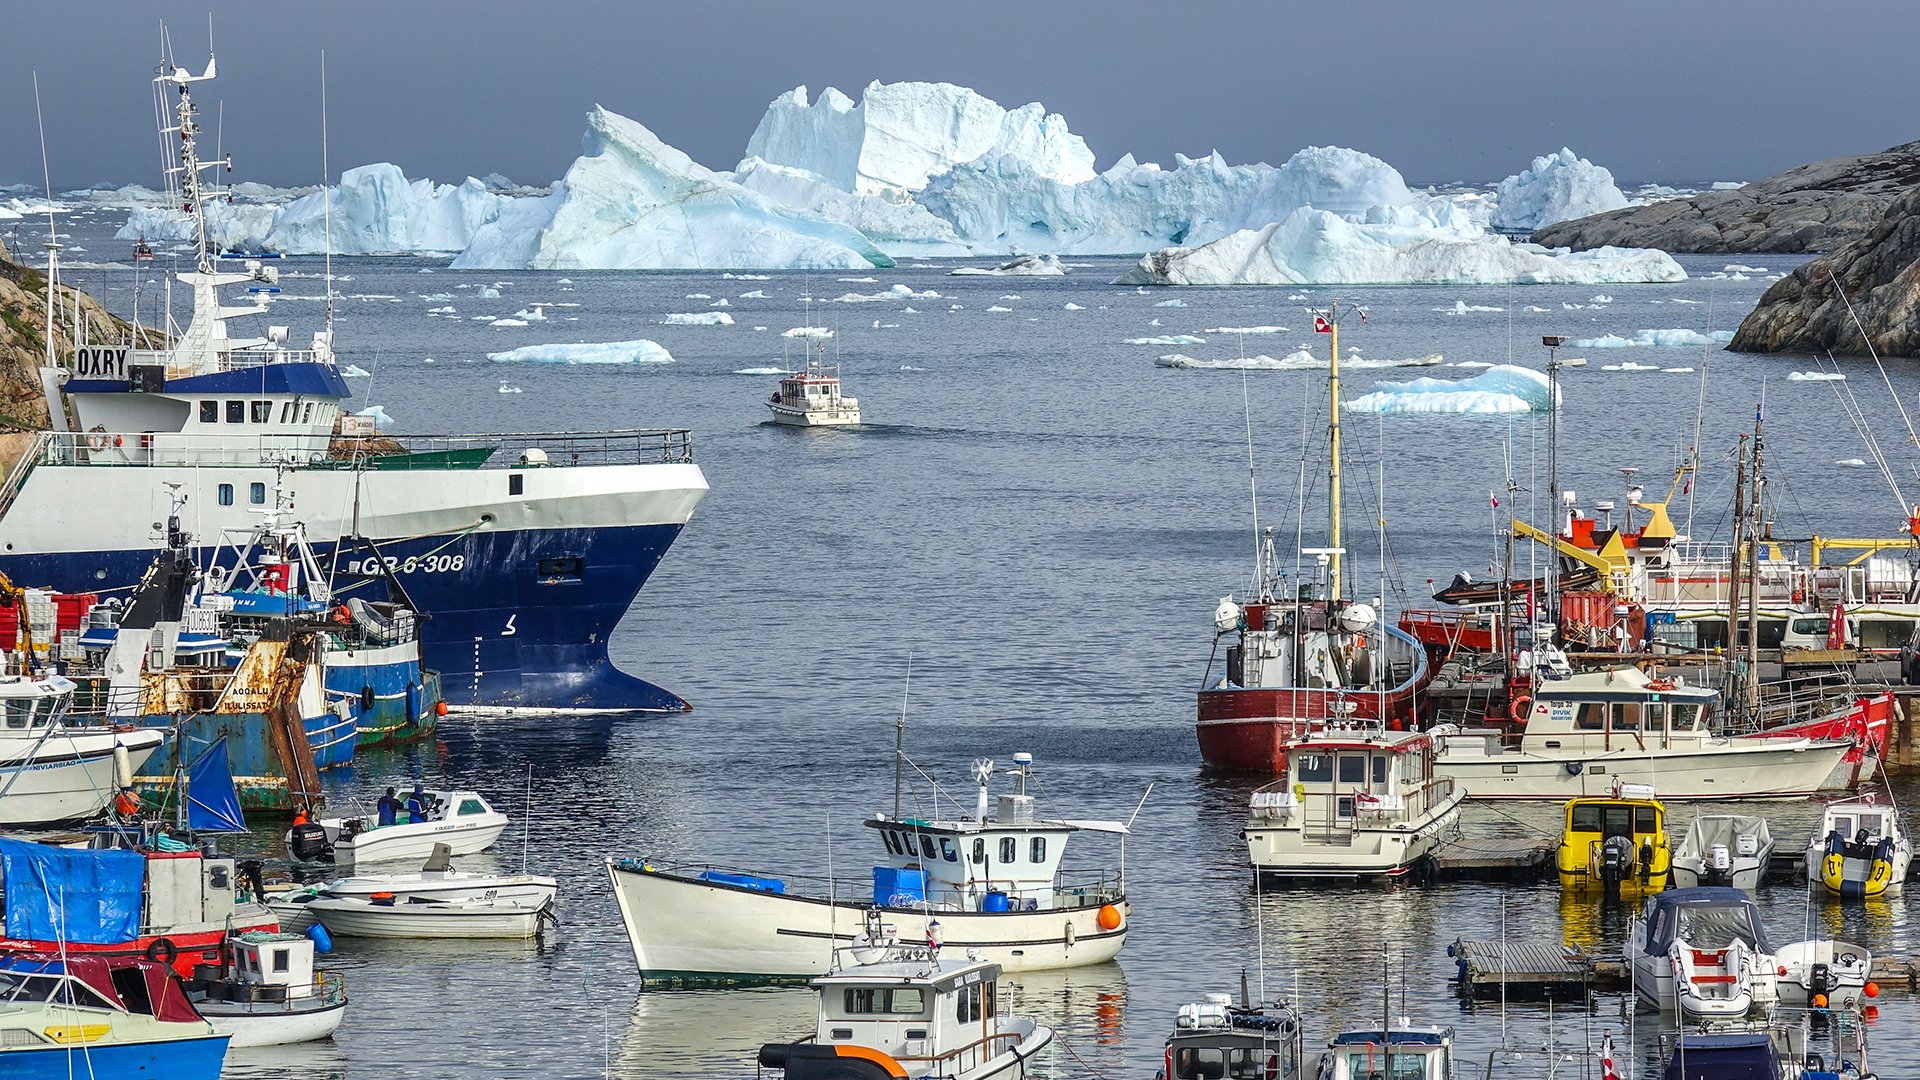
(436,880)
(1357,802)
(1859,850)
(992,883)
(392,917)
(52,771)
(268,993)
(99,1017)
(1703,954)
(1587,732)
(1216,1038)
(1405,1051)
(462,821)
(888,1011)
(1823,968)
(811,397)
(1723,849)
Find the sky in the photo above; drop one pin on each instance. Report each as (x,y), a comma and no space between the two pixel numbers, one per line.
(1664,90)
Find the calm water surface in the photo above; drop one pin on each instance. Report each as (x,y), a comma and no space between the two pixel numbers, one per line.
(1043,521)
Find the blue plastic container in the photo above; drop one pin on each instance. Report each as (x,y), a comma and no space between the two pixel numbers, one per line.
(322,941)
(994,903)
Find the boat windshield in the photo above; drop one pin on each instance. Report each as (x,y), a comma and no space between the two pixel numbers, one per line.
(1611,821)
(1716,927)
(1371,1061)
(18,988)
(1231,1062)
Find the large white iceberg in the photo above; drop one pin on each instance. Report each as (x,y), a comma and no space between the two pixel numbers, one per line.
(230,226)
(633,202)
(891,220)
(1503,388)
(1664,339)
(900,134)
(1317,247)
(1558,187)
(640,351)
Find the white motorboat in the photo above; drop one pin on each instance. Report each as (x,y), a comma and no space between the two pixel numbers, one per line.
(1588,731)
(1357,802)
(436,880)
(1215,1037)
(1405,1051)
(889,1011)
(268,993)
(1702,953)
(1723,849)
(811,396)
(461,820)
(1823,973)
(992,883)
(52,771)
(1859,850)
(392,917)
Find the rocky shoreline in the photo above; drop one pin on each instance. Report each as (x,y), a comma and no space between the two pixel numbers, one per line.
(1880,273)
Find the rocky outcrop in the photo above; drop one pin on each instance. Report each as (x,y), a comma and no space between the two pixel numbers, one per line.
(1880,273)
(1816,207)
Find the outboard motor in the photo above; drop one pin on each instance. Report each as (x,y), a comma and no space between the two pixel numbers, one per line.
(1616,863)
(308,842)
(1719,868)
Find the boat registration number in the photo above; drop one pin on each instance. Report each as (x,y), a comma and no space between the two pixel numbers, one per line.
(412,564)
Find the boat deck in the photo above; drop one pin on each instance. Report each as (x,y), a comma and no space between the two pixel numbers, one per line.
(1496,859)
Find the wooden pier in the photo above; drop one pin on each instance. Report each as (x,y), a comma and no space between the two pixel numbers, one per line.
(1534,970)
(1495,859)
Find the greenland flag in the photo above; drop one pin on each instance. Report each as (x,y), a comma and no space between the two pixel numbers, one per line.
(1321,325)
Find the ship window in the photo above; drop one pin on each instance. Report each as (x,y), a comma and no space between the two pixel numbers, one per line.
(286,412)
(926,846)
(236,412)
(1353,768)
(1380,768)
(19,712)
(993,993)
(257,493)
(874,1000)
(209,412)
(1316,769)
(979,851)
(306,415)
(280,960)
(1685,717)
(1593,716)
(516,484)
(966,1004)
(262,411)
(471,806)
(1007,850)
(226,494)
(948,850)
(1643,820)
(1626,716)
(1037,850)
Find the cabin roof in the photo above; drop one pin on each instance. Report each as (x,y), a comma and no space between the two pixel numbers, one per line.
(970,826)
(911,973)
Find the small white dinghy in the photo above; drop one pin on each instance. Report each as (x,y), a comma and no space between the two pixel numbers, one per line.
(436,880)
(268,994)
(1835,970)
(462,820)
(392,917)
(1723,849)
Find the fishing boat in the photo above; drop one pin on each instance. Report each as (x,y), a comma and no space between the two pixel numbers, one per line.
(1702,953)
(811,397)
(1357,802)
(1822,973)
(1615,844)
(51,771)
(1404,1051)
(267,993)
(1724,849)
(992,883)
(1300,653)
(461,821)
(527,548)
(1859,850)
(63,1016)
(384,915)
(142,251)
(1216,1038)
(1594,729)
(888,1011)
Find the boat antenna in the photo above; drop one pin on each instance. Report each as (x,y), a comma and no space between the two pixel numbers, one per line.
(1260,931)
(1253,482)
(900,737)
(326,195)
(53,232)
(1333,452)
(1386,1005)
(526,824)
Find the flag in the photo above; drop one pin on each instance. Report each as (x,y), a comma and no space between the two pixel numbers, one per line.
(1321,325)
(1363,314)
(1494,499)
(1606,1059)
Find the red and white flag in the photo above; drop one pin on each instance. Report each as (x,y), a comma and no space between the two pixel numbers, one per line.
(1606,1059)
(1494,499)
(1321,325)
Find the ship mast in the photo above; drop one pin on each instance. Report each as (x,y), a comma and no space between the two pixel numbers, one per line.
(1750,678)
(1334,547)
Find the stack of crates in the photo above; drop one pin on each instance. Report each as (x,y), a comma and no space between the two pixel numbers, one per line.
(70,618)
(42,618)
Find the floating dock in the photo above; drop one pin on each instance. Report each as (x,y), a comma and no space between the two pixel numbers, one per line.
(1538,969)
(1495,859)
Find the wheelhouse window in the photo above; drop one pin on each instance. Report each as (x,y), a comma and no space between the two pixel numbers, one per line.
(948,850)
(257,493)
(286,412)
(280,960)
(1315,769)
(883,1001)
(979,851)
(262,411)
(209,412)
(471,806)
(1380,768)
(19,712)
(1353,768)
(1592,716)
(306,417)
(1037,850)
(236,412)
(967,1003)
(1008,849)
(226,494)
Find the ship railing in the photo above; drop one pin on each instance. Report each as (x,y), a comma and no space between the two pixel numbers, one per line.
(1071,888)
(634,446)
(22,468)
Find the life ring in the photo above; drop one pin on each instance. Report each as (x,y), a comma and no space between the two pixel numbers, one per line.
(1660,684)
(1518,710)
(97,437)
(163,951)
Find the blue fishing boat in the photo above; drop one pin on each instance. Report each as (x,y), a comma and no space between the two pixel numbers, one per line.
(62,1017)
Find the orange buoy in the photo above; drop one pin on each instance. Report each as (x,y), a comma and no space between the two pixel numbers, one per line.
(1109,917)
(439,708)
(1873,990)
(1819,1001)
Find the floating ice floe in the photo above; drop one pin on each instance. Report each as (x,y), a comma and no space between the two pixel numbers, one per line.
(487,292)
(697,318)
(1737,268)
(1557,187)
(1535,309)
(896,292)
(1298,360)
(1171,303)
(1071,306)
(1851,463)
(1628,365)
(1644,339)
(587,352)
(378,415)
(1242,329)
(997,307)
(760,371)
(1603,298)
(722,302)
(564,281)
(699,296)
(509,322)
(505,389)
(1473,364)
(355,371)
(808,332)
(536,315)
(1461,307)
(757,294)
(1168,339)
(1024,266)
(1501,389)
(1678,370)
(1816,376)
(859,280)
(739,277)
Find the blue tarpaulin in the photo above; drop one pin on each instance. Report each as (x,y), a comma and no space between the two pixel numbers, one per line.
(81,897)
(213,803)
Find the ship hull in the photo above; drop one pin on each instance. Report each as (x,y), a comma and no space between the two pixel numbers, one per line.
(1248,730)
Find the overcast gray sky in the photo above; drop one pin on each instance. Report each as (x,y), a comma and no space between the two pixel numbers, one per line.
(1653,89)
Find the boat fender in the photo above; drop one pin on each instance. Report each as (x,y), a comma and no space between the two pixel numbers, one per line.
(122,771)
(1069,938)
(1109,917)
(1574,768)
(366,699)
(1519,708)
(163,951)
(322,941)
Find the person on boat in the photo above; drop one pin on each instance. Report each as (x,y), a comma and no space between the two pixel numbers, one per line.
(389,807)
(417,805)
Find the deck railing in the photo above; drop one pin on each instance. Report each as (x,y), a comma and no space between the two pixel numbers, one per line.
(635,446)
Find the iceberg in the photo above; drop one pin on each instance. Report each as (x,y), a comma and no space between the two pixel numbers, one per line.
(1315,246)
(1166,339)
(230,226)
(633,202)
(1815,376)
(698,318)
(1503,388)
(602,352)
(900,134)
(1024,266)
(903,226)
(1298,360)
(1557,187)
(378,415)
(1654,339)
